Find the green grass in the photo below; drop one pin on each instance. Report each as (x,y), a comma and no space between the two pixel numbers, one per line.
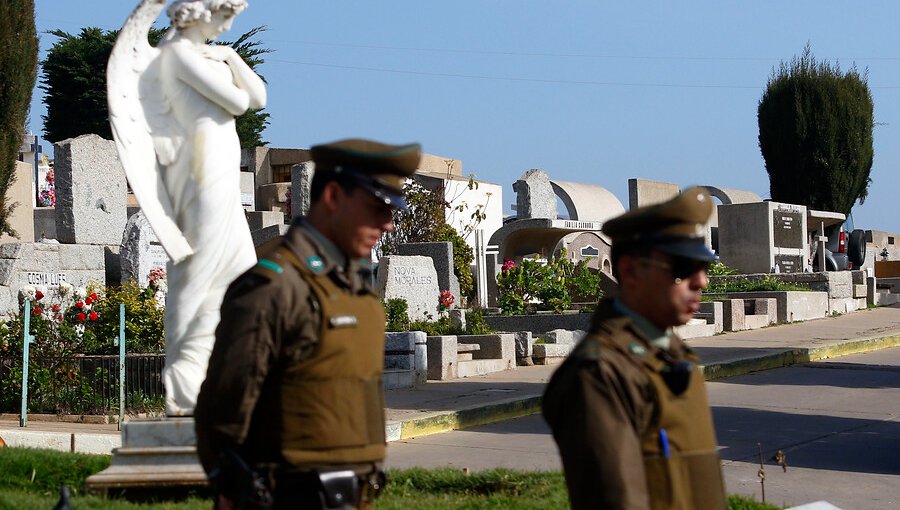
(30,479)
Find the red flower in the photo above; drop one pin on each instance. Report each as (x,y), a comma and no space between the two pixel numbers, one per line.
(82,317)
(93,316)
(38,296)
(94,296)
(79,304)
(36,311)
(507,265)
(88,301)
(55,307)
(59,317)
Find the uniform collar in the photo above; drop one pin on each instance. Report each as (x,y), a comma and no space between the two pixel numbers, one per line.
(327,246)
(305,239)
(656,336)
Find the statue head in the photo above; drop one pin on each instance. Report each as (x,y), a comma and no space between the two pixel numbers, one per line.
(185,13)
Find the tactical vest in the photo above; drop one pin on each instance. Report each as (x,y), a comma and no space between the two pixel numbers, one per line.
(332,404)
(690,477)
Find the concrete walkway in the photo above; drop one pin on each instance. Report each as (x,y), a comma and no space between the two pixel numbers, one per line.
(440,406)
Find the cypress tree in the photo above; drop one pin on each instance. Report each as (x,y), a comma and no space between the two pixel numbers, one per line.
(18,69)
(815,134)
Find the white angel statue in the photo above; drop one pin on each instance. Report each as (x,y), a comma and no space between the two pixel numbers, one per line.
(172,112)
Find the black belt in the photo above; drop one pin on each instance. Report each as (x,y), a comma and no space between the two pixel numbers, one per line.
(328,489)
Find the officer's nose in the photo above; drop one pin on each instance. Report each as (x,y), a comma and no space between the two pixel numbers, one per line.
(699,280)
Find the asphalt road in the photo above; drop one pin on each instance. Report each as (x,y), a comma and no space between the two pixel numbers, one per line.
(837,421)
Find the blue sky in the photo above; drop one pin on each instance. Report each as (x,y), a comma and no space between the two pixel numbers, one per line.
(589,91)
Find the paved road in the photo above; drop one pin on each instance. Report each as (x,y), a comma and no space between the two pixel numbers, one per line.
(838,422)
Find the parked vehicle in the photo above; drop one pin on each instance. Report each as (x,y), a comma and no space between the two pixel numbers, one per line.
(843,251)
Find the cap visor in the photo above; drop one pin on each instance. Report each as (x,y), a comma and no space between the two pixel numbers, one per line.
(687,249)
(387,196)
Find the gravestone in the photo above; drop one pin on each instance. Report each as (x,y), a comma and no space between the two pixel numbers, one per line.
(140,251)
(644,192)
(535,197)
(90,191)
(764,236)
(248,191)
(441,254)
(301,180)
(46,265)
(411,278)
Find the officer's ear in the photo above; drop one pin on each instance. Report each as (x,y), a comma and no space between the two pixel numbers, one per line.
(332,197)
(627,269)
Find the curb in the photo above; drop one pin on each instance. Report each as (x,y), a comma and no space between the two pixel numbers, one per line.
(790,357)
(74,442)
(463,418)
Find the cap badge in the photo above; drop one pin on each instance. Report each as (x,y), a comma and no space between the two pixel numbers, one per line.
(314,263)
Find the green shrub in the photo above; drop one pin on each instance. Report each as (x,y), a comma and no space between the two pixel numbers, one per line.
(768,283)
(550,285)
(396,312)
(463,256)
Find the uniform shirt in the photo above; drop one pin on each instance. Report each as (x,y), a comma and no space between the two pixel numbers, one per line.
(269,317)
(599,408)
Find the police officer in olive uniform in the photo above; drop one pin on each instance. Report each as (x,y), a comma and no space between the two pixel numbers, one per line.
(291,414)
(628,408)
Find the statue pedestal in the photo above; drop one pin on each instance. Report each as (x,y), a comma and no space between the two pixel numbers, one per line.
(160,452)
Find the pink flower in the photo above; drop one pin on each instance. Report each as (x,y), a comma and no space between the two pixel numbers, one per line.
(507,265)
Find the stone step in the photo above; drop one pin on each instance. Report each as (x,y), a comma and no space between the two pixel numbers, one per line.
(481,367)
(460,348)
(695,330)
(395,379)
(550,354)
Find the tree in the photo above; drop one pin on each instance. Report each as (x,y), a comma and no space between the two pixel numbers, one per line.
(18,70)
(74,83)
(815,134)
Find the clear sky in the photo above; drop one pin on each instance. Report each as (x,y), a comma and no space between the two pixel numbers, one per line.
(590,91)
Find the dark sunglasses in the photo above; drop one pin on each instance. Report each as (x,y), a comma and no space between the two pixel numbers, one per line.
(681,267)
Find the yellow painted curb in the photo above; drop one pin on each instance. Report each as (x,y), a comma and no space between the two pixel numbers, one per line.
(789,357)
(471,417)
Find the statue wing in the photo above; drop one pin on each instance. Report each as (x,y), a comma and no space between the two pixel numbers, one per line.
(146,136)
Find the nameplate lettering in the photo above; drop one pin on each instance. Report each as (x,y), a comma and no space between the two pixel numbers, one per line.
(408,276)
(47,279)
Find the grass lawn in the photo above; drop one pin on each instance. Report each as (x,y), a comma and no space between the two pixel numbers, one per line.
(30,479)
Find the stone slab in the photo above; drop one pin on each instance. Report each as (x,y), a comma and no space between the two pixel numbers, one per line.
(441,254)
(140,251)
(524,342)
(548,354)
(90,191)
(535,197)
(411,278)
(267,234)
(261,219)
(442,357)
(301,181)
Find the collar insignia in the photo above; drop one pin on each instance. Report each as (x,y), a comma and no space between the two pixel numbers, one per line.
(315,264)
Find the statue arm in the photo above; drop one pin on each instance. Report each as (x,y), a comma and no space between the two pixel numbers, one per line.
(245,78)
(192,68)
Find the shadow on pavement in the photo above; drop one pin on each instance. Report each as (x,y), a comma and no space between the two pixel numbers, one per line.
(810,441)
(833,374)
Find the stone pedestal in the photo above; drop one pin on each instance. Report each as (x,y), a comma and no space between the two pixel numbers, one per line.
(155,453)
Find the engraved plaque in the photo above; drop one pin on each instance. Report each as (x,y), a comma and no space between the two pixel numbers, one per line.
(788,229)
(789,263)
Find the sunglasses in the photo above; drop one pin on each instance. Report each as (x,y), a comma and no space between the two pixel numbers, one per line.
(681,267)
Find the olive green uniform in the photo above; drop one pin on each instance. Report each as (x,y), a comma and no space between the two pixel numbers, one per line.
(294,380)
(606,405)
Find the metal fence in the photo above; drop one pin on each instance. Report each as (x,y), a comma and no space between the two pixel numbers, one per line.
(82,384)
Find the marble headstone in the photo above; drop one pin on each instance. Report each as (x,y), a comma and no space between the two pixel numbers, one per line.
(535,197)
(301,181)
(140,251)
(91,191)
(441,254)
(412,278)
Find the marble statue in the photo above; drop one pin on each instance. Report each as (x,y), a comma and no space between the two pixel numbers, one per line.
(172,112)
